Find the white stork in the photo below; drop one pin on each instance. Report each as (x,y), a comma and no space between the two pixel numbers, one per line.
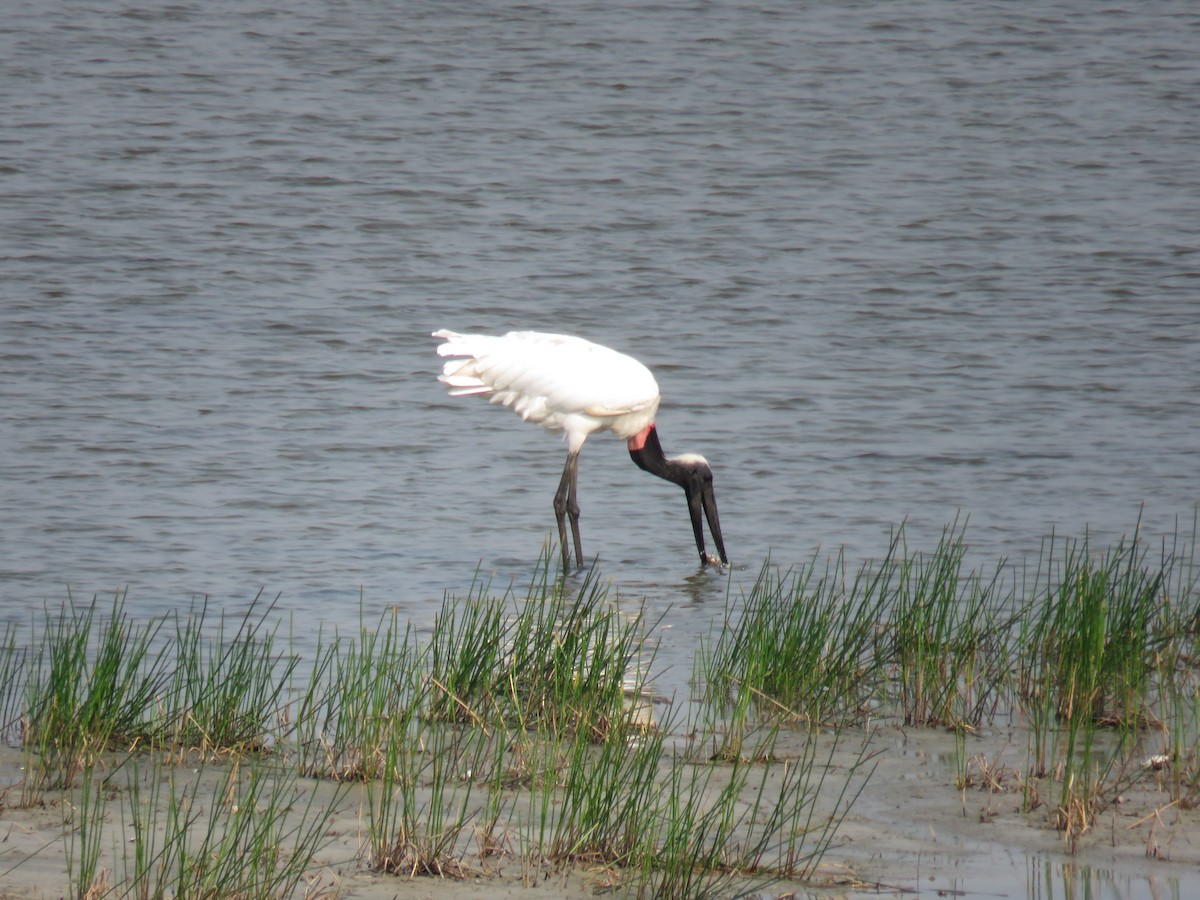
(574,387)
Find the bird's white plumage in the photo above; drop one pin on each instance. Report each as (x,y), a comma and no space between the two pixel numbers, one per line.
(563,383)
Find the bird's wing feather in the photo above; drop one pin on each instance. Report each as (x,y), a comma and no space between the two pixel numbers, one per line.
(547,377)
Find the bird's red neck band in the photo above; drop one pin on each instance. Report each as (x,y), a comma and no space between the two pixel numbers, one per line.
(638,441)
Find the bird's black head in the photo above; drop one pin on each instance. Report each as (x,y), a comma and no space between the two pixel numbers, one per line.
(695,476)
(692,473)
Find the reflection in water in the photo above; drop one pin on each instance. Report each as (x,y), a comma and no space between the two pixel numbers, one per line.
(1059,878)
(705,589)
(1051,878)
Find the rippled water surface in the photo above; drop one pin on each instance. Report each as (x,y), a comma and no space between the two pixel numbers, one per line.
(888,262)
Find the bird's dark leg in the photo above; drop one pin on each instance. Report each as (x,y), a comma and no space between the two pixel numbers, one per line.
(573,512)
(566,504)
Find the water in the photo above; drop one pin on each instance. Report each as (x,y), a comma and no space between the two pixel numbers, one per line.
(887,261)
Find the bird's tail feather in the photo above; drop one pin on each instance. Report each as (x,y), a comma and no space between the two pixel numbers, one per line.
(457,374)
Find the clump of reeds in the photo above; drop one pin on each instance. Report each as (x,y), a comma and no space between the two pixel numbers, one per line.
(806,641)
(227,689)
(562,658)
(1100,647)
(89,686)
(737,826)
(97,681)
(605,803)
(413,832)
(252,835)
(539,704)
(83,823)
(946,634)
(1175,689)
(360,696)
(1087,651)
(1101,630)
(910,634)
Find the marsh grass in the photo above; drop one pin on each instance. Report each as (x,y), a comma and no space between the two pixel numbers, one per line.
(559,659)
(1176,677)
(521,726)
(1092,638)
(253,835)
(1093,652)
(738,828)
(607,800)
(1085,677)
(138,826)
(1178,695)
(97,681)
(90,687)
(227,690)
(805,640)
(413,832)
(83,823)
(740,728)
(530,707)
(946,631)
(359,696)
(912,635)
(12,676)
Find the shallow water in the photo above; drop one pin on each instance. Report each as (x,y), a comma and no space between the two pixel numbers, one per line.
(888,263)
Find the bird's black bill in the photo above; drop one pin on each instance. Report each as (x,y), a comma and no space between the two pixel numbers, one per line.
(714,523)
(702,504)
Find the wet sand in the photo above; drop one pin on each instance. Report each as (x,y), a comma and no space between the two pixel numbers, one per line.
(911,831)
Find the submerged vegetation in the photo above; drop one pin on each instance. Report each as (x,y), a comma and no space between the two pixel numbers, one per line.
(524,732)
